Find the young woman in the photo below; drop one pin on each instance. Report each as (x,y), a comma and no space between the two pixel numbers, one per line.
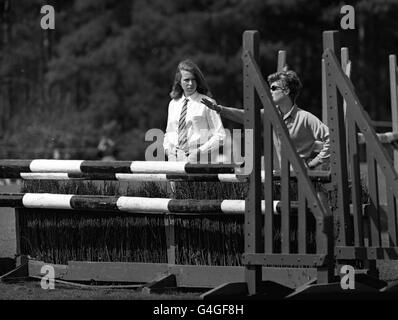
(192,128)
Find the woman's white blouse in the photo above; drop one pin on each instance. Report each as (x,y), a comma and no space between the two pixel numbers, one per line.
(204,126)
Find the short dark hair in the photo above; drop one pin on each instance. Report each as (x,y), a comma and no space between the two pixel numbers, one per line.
(189,65)
(289,80)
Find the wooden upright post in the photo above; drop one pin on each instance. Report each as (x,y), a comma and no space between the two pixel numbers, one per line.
(394,101)
(338,148)
(169,223)
(324,95)
(281,60)
(18,231)
(252,122)
(344,64)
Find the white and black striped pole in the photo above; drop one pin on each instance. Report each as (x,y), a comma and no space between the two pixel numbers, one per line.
(127,204)
(111,167)
(153,177)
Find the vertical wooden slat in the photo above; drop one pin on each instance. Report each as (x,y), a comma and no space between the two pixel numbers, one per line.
(18,231)
(344,63)
(268,168)
(324,94)
(253,201)
(302,220)
(394,119)
(392,218)
(169,225)
(347,71)
(338,144)
(268,185)
(374,217)
(356,189)
(281,60)
(285,198)
(394,101)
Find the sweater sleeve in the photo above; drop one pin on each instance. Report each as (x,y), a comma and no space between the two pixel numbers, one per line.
(321,133)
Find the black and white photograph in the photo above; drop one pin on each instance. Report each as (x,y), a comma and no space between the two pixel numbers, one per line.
(198,159)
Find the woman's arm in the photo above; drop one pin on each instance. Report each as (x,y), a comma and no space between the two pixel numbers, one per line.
(166,141)
(321,134)
(233,114)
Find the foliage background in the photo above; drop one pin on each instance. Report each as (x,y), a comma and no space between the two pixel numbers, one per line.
(113,62)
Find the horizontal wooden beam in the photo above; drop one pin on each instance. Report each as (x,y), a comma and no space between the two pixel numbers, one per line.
(265,259)
(371,253)
(192,276)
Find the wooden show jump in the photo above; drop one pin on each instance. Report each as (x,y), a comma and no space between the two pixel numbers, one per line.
(284,273)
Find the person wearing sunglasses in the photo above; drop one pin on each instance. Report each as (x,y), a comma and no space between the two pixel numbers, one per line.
(310,135)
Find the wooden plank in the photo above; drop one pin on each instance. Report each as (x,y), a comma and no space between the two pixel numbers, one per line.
(290,277)
(281,60)
(108,271)
(356,183)
(392,218)
(337,141)
(207,276)
(344,63)
(349,253)
(311,260)
(159,284)
(285,196)
(18,230)
(381,124)
(253,200)
(394,100)
(226,289)
(34,269)
(378,253)
(324,94)
(186,275)
(302,222)
(169,225)
(268,186)
(394,113)
(371,253)
(373,209)
(331,291)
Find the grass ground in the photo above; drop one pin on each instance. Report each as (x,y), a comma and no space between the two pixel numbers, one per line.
(31,290)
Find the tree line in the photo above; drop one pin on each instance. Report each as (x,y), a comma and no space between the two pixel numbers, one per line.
(113,62)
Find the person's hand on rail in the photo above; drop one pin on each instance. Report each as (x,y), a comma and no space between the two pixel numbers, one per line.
(211,105)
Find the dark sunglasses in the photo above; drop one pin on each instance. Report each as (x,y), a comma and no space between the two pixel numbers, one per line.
(274,88)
